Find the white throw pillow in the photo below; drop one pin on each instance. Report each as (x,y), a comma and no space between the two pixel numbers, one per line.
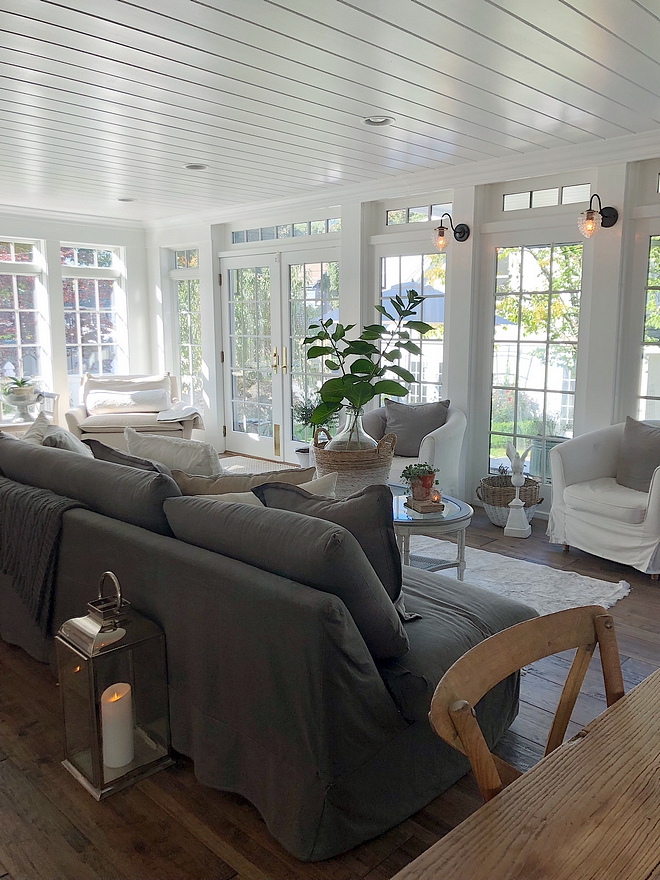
(37,430)
(106,402)
(59,438)
(191,456)
(324,486)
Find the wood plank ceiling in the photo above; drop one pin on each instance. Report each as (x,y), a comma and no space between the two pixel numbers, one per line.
(103,100)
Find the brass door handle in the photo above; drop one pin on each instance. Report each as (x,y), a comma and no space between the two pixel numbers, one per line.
(276,361)
(284,360)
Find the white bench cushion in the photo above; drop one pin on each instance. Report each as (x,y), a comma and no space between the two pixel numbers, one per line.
(113,423)
(605,497)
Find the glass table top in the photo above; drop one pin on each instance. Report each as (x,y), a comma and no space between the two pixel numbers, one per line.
(454,509)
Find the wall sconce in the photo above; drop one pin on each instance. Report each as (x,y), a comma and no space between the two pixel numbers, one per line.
(590,220)
(461,232)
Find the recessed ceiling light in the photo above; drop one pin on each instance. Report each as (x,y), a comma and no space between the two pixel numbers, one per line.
(126,200)
(195,166)
(378,120)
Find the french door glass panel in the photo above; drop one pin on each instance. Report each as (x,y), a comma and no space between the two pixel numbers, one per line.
(424,273)
(649,400)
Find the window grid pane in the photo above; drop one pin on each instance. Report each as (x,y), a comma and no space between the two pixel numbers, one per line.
(190,341)
(649,392)
(537,307)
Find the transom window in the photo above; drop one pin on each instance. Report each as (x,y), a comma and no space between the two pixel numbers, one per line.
(418,214)
(649,401)
(95,324)
(537,309)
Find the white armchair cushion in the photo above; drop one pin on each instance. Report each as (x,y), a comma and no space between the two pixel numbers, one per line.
(110,401)
(190,456)
(605,497)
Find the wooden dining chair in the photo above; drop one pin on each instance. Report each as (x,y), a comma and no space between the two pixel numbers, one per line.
(452,714)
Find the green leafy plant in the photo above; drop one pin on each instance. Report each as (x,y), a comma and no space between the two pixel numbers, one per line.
(15,382)
(412,472)
(363,362)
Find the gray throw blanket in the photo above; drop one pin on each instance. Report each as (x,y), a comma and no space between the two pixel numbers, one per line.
(30,527)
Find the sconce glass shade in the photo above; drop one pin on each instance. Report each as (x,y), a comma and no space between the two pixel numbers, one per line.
(588,222)
(439,239)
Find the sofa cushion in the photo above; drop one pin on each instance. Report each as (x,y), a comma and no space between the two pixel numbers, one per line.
(412,422)
(324,486)
(639,455)
(190,484)
(117,456)
(123,493)
(59,438)
(605,497)
(101,402)
(37,430)
(367,515)
(454,618)
(126,384)
(192,456)
(305,549)
(115,424)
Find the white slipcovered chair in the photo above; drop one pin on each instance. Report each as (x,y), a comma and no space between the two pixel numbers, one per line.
(441,447)
(592,512)
(108,427)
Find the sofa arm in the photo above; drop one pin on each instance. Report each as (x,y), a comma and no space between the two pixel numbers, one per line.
(442,449)
(74,418)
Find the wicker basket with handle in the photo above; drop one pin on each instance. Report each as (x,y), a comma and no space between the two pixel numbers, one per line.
(357,468)
(496,492)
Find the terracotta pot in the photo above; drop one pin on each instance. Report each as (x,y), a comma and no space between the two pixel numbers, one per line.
(421,487)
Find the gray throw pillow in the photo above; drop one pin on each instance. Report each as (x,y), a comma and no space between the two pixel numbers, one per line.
(639,455)
(60,438)
(412,422)
(304,549)
(191,484)
(367,515)
(108,453)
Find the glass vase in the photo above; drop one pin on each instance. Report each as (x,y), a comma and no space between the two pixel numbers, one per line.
(352,436)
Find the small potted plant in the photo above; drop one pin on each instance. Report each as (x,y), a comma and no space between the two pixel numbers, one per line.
(421,479)
(19,388)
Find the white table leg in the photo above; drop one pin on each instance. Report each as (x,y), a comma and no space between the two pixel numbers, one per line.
(460,540)
(403,542)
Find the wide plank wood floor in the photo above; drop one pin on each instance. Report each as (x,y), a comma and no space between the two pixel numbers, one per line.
(171,827)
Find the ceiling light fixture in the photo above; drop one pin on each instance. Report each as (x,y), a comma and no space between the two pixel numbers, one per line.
(378,120)
(461,232)
(590,220)
(195,166)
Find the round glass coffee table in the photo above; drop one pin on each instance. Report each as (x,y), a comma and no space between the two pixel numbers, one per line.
(454,519)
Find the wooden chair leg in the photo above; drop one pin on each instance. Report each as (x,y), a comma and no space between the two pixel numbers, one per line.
(567,547)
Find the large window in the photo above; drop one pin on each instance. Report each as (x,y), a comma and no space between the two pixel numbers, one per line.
(424,273)
(24,333)
(94,313)
(649,401)
(313,294)
(189,326)
(537,308)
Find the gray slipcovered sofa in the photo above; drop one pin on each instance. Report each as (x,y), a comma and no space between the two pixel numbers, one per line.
(273,691)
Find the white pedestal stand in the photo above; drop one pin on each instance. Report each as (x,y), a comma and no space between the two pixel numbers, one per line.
(516,524)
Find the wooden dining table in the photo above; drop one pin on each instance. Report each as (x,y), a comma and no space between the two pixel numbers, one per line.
(588,811)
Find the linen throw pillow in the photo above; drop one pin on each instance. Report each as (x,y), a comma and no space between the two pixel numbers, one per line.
(189,484)
(103,452)
(412,422)
(191,456)
(304,549)
(367,515)
(324,486)
(639,455)
(108,402)
(37,430)
(59,438)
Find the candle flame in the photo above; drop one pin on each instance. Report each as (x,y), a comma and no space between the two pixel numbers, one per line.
(115,697)
(76,669)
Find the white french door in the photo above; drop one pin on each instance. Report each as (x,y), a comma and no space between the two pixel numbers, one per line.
(270,302)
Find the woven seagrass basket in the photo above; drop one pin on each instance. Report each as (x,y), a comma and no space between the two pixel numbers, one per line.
(496,492)
(355,469)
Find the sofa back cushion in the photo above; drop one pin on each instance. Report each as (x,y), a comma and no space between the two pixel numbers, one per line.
(367,515)
(123,493)
(304,549)
(639,455)
(117,456)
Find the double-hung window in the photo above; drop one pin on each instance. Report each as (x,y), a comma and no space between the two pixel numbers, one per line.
(185,278)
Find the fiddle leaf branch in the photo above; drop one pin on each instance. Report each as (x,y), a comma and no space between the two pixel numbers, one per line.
(364,362)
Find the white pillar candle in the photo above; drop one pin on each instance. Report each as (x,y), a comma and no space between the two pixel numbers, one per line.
(117,725)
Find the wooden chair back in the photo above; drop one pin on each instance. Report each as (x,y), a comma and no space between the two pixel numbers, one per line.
(452,713)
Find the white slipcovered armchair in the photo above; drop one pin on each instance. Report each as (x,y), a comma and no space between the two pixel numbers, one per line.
(108,426)
(441,447)
(592,512)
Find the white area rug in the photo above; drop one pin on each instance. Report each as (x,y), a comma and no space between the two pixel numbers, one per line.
(544,588)
(239,464)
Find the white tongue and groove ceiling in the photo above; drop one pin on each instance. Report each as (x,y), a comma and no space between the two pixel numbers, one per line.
(101,101)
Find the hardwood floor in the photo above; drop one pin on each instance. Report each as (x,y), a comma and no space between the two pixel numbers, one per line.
(171,827)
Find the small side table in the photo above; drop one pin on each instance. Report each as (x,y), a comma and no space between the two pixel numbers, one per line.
(454,519)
